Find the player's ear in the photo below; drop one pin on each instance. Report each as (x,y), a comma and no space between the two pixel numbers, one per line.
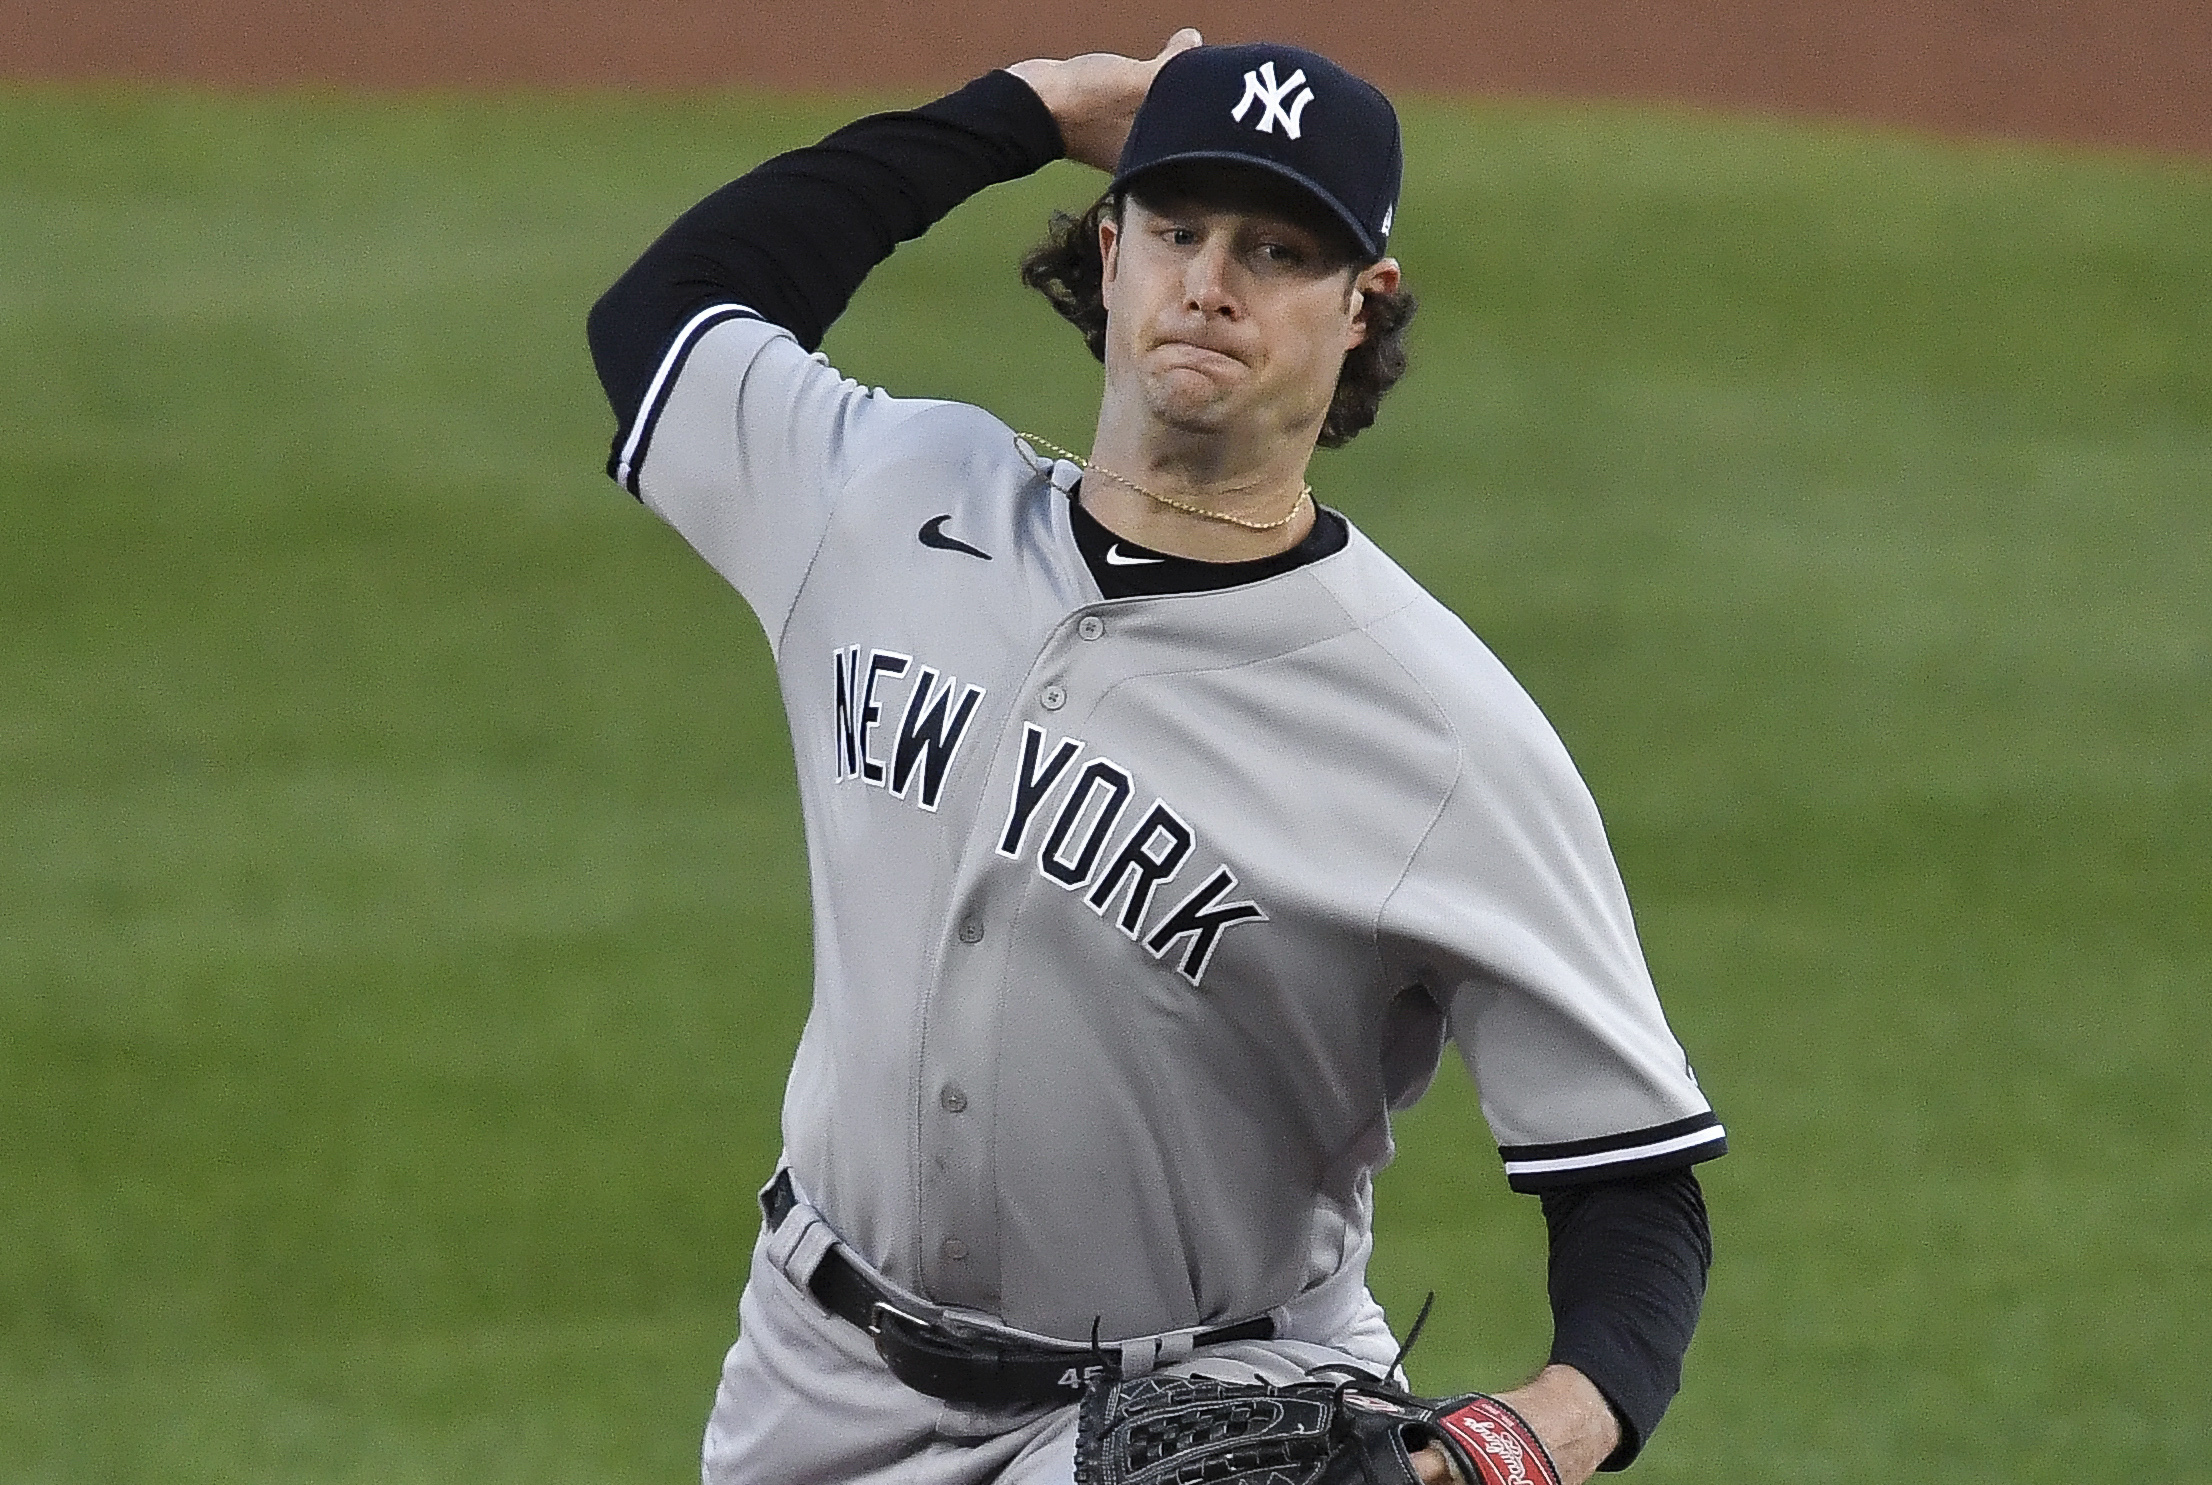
(1109,238)
(1378,277)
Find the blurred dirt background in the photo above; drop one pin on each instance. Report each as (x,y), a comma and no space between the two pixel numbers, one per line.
(2134,73)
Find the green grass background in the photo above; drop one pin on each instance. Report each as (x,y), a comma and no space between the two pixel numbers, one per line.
(402,919)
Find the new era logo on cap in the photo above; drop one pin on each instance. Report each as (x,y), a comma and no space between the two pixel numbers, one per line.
(1282,109)
(1260,87)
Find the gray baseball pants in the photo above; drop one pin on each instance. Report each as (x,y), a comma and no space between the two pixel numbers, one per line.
(804,1400)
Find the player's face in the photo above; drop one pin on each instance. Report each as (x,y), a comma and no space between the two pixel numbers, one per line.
(1226,313)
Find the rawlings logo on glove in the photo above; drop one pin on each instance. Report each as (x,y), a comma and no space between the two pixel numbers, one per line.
(1503,1448)
(1182,1430)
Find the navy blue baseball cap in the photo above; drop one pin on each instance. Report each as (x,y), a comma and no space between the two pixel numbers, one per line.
(1285,110)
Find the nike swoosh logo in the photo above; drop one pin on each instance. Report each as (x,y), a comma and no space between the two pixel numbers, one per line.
(1116,557)
(933,535)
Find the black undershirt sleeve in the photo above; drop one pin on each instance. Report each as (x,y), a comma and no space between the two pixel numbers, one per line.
(1627,1278)
(792,239)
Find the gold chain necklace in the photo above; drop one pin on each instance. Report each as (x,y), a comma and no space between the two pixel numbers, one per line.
(1304,494)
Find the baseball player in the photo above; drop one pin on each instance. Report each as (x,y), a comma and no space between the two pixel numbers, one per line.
(1162,831)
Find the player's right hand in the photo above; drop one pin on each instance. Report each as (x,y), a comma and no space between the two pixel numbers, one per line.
(1094,97)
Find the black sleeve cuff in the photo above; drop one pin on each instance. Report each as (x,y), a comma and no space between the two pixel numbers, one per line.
(1627,1270)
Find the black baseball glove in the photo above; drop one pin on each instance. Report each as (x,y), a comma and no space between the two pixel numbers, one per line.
(1167,1430)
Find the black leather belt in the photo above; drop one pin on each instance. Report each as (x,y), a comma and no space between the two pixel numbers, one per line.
(956,1363)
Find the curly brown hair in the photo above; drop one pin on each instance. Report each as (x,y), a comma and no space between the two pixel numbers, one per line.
(1068,269)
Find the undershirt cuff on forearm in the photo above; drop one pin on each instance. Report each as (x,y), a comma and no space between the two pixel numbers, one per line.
(1627,1272)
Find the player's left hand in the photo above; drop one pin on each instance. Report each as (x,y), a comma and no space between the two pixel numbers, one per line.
(1094,97)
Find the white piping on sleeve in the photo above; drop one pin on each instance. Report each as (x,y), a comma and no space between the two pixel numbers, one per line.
(1708,1135)
(626,464)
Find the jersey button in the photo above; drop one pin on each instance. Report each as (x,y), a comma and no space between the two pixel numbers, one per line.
(1091,626)
(955,1249)
(971,932)
(1053,698)
(953,1100)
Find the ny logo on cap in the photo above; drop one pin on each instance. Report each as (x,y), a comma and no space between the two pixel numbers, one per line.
(1260,87)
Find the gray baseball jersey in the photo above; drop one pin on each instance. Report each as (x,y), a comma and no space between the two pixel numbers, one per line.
(1135,919)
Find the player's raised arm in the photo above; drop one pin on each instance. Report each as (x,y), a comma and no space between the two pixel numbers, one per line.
(792,240)
(794,237)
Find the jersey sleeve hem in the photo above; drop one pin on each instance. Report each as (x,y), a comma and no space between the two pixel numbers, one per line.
(633,439)
(1684,1142)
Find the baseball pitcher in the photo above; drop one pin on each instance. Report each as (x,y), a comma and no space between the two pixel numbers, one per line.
(1163,832)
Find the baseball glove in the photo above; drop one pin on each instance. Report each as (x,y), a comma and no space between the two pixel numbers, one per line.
(1170,1430)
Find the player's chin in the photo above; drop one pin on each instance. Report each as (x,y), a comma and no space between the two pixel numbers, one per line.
(1198,400)
(1198,419)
